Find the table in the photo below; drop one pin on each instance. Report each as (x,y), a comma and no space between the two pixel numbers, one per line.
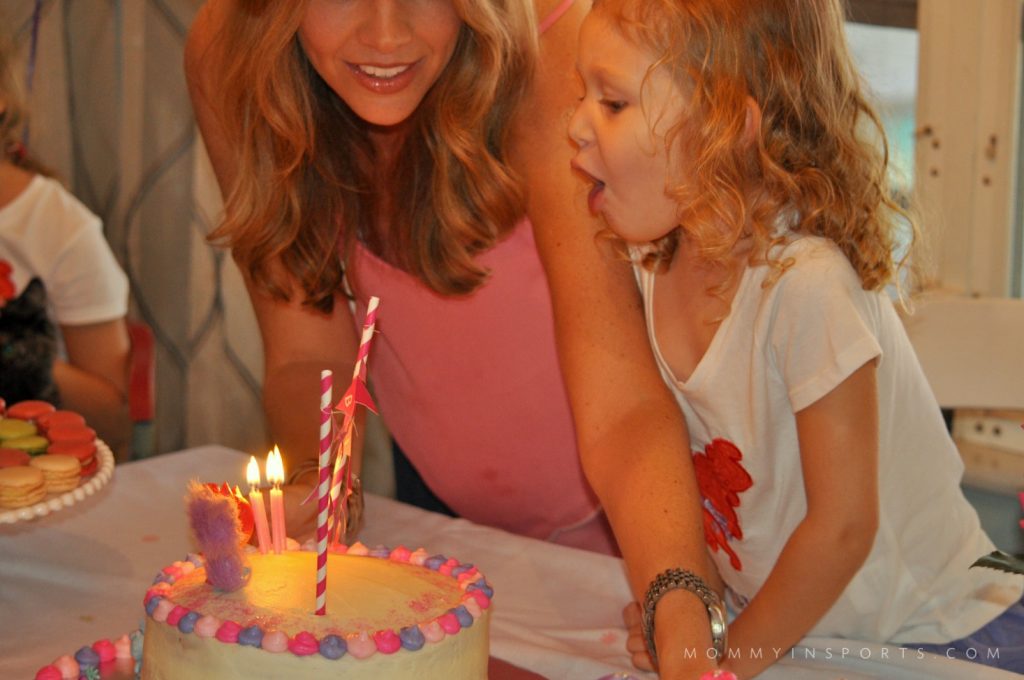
(77,576)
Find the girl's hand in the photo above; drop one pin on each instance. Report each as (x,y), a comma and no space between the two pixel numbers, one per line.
(635,641)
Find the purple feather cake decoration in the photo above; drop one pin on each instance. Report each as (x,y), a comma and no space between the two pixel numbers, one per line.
(218,533)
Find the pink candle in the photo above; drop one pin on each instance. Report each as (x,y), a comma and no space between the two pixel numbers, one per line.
(275,475)
(259,510)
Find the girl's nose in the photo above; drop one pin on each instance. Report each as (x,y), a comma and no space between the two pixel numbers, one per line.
(384,26)
(579,129)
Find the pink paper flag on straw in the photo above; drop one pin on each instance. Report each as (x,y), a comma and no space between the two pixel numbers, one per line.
(355,394)
(323,494)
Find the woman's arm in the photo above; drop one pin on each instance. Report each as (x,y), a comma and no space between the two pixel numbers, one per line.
(839,453)
(94,379)
(631,435)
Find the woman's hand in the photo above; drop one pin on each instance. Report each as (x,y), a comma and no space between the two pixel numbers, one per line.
(300,519)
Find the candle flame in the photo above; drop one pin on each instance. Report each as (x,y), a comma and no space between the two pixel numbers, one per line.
(275,468)
(252,473)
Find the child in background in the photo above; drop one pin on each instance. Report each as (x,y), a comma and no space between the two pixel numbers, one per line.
(57,269)
(726,145)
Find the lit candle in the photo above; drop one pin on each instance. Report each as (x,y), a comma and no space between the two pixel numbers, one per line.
(275,475)
(259,510)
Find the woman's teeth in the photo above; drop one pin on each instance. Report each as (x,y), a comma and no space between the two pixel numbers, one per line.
(383,71)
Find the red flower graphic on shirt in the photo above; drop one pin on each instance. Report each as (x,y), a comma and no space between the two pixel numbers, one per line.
(721,478)
(6,285)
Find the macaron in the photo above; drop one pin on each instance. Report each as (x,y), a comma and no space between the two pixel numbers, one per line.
(85,453)
(21,486)
(60,473)
(53,419)
(13,428)
(71,434)
(32,445)
(30,409)
(13,458)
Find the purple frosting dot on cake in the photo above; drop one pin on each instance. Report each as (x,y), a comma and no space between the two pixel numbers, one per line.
(380,551)
(412,638)
(332,647)
(251,636)
(187,623)
(464,617)
(461,568)
(434,562)
(481,586)
(152,604)
(87,656)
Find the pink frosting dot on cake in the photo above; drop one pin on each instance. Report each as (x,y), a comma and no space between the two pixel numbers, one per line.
(472,606)
(275,641)
(432,631)
(361,646)
(481,598)
(303,644)
(387,641)
(449,623)
(207,626)
(48,673)
(228,631)
(105,649)
(176,614)
(123,647)
(163,610)
(400,554)
(67,666)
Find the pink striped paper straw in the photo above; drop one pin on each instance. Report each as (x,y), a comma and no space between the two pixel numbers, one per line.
(364,350)
(323,493)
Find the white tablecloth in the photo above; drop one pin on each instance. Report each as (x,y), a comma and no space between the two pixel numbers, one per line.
(78,575)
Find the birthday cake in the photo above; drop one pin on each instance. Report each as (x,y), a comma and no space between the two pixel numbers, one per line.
(391,614)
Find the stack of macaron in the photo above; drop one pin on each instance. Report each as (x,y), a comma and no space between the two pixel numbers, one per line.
(42,450)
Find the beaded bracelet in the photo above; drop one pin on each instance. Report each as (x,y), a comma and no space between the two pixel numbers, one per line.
(672,579)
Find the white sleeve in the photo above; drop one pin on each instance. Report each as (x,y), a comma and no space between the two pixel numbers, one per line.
(87,285)
(824,325)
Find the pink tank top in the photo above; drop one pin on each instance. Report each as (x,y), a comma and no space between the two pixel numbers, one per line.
(470,389)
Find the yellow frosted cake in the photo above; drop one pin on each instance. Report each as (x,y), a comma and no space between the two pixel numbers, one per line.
(392,614)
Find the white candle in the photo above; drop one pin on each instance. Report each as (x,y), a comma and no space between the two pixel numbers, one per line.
(259,510)
(275,475)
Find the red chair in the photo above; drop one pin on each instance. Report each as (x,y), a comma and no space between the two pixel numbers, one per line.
(142,390)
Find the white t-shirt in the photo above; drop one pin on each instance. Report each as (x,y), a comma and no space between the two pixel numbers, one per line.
(780,350)
(46,232)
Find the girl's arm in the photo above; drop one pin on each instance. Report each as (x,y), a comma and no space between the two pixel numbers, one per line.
(631,435)
(94,379)
(298,342)
(839,452)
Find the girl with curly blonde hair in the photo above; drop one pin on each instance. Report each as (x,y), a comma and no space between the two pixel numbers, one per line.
(729,146)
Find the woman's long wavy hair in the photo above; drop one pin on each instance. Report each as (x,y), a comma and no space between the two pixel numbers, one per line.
(304,185)
(819,160)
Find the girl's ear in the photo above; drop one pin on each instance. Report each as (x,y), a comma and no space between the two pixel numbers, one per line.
(752,123)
